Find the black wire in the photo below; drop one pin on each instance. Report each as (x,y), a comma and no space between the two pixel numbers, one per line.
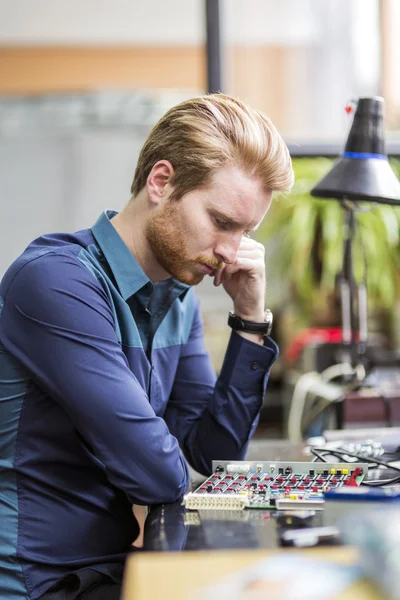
(317,455)
(371,483)
(342,452)
(338,455)
(371,464)
(378,482)
(320,453)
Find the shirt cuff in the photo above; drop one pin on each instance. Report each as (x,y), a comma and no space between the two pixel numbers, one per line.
(247,364)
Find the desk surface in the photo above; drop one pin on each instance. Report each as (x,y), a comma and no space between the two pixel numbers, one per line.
(181,576)
(241,538)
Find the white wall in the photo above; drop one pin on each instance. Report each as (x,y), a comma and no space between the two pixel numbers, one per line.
(159,22)
(272,22)
(114,22)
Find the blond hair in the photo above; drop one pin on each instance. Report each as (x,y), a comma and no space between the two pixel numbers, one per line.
(203,134)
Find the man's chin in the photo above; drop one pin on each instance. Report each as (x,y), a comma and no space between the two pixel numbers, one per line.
(189,278)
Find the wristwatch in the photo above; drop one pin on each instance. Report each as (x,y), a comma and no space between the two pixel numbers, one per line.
(239,324)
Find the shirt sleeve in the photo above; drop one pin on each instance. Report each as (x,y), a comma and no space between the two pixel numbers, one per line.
(58,322)
(214,419)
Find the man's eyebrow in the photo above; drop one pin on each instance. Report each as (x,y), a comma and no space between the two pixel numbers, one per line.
(223,217)
(228,220)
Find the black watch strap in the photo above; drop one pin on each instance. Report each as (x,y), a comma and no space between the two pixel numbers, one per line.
(263,327)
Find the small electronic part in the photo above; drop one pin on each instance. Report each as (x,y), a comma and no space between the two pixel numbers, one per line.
(277,485)
(310,536)
(236,468)
(289,504)
(198,501)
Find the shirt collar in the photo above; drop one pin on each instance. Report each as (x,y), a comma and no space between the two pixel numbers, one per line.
(128,274)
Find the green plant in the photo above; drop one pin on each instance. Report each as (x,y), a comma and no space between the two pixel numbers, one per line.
(305,237)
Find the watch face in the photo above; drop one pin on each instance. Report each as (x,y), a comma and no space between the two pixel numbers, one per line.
(268,316)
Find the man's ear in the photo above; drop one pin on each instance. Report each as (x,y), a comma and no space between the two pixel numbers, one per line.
(159,182)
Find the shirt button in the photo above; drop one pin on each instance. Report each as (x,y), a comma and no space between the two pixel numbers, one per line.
(254,365)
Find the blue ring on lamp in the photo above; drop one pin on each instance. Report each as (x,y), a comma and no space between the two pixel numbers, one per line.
(364,155)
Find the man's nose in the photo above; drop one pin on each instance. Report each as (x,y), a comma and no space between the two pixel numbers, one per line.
(226,249)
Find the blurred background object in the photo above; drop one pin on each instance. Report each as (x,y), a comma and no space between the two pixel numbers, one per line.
(82,84)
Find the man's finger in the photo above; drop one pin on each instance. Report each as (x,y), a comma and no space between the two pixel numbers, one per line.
(219,276)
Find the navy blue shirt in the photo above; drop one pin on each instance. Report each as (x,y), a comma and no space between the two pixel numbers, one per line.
(103,378)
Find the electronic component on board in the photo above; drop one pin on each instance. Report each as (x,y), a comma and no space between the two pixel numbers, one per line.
(272,485)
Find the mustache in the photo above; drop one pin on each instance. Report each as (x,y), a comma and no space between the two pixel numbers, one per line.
(213,263)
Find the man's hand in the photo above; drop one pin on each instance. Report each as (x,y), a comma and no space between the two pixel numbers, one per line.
(245,281)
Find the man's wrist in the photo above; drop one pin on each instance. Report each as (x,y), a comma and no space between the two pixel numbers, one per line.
(260,327)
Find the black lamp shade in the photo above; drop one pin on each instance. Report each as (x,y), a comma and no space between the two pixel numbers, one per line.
(362,172)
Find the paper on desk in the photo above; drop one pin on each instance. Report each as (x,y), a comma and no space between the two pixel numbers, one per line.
(283,577)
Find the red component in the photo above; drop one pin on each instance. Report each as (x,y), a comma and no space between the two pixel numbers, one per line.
(231,489)
(280,479)
(313,335)
(315,488)
(293,480)
(274,487)
(334,480)
(216,477)
(320,480)
(235,483)
(351,481)
(203,487)
(302,487)
(242,476)
(307,480)
(261,486)
(217,489)
(254,478)
(348,108)
(228,476)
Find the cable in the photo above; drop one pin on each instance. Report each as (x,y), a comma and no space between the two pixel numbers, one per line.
(380,482)
(320,454)
(301,389)
(320,384)
(343,453)
(317,410)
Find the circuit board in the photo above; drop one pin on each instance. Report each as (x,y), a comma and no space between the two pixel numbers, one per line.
(272,485)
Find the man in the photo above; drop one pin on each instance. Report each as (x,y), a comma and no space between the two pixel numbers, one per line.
(103,371)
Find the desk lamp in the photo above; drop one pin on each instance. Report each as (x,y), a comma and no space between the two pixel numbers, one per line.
(360,174)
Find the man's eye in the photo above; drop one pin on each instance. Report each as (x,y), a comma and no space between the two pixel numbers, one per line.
(222,225)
